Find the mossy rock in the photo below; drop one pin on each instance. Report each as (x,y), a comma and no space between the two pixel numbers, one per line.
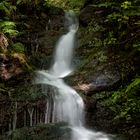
(40,132)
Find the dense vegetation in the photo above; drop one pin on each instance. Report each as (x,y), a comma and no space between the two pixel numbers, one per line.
(116,27)
(123,32)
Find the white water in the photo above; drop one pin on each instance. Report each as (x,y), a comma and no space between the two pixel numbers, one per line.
(68,106)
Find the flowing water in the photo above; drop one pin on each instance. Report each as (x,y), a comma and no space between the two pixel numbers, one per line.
(66,104)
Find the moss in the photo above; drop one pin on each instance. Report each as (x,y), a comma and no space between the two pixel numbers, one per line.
(125,103)
(41,132)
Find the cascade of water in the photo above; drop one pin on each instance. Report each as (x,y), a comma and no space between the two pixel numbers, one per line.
(68,106)
(64,50)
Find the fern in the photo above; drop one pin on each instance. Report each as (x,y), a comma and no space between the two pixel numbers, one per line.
(7,7)
(7,24)
(134,85)
(8,27)
(18,47)
(126,102)
(4,6)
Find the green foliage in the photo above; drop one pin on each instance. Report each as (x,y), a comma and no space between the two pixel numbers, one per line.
(41,132)
(29,2)
(8,27)
(126,102)
(8,91)
(2,88)
(118,27)
(133,86)
(92,35)
(28,93)
(94,26)
(121,24)
(7,7)
(126,4)
(18,48)
(111,39)
(137,46)
(67,4)
(23,2)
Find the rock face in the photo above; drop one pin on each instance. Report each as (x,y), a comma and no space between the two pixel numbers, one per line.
(105,77)
(89,13)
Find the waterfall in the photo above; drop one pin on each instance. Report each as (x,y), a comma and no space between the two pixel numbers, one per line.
(67,106)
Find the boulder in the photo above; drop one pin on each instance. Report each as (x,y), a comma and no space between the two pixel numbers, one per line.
(104,77)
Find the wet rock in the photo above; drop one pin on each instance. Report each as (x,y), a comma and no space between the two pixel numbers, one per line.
(105,77)
(90,104)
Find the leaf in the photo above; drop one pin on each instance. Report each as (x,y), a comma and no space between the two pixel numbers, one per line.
(13,7)
(137,46)
(126,4)
(19,2)
(135,83)
(18,47)
(137,23)
(3,7)
(7,24)
(11,32)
